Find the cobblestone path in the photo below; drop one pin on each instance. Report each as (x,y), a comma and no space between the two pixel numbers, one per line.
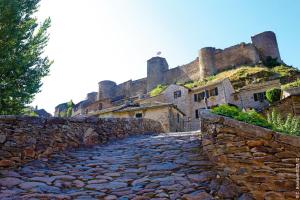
(166,166)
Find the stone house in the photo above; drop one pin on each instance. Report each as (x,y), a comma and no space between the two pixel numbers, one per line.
(208,96)
(254,95)
(289,103)
(81,107)
(293,91)
(61,108)
(190,101)
(167,114)
(98,105)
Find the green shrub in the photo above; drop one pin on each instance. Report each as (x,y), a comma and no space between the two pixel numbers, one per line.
(226,110)
(291,125)
(271,62)
(252,117)
(273,95)
(157,90)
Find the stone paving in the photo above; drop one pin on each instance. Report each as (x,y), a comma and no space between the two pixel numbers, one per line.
(165,166)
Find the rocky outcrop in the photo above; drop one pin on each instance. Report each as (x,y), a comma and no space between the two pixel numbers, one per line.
(261,161)
(23,139)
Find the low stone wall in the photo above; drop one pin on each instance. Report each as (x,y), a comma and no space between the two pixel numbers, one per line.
(23,139)
(259,160)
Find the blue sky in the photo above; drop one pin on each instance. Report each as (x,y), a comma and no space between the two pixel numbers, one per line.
(94,40)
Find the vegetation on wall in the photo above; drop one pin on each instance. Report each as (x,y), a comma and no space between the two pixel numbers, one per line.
(274,120)
(291,125)
(273,95)
(22,59)
(251,117)
(157,90)
(70,106)
(291,85)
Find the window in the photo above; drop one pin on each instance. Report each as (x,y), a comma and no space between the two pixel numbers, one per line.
(198,97)
(100,106)
(261,96)
(177,94)
(206,94)
(213,92)
(197,114)
(138,115)
(178,117)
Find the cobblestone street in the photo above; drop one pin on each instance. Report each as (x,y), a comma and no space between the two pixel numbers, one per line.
(166,166)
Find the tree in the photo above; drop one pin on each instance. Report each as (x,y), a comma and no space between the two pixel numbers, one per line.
(70,106)
(273,95)
(22,59)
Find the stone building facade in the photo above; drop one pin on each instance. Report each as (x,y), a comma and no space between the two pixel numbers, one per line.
(170,117)
(254,95)
(191,101)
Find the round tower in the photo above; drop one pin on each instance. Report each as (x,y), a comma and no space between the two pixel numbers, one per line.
(106,89)
(156,68)
(207,62)
(266,44)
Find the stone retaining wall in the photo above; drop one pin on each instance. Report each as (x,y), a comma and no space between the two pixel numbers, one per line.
(23,139)
(259,160)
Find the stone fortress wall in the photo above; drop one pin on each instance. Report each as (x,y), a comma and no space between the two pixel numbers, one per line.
(209,62)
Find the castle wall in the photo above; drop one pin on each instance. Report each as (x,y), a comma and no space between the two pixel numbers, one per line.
(131,88)
(241,54)
(182,74)
(209,62)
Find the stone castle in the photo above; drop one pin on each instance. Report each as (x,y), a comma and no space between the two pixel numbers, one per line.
(209,62)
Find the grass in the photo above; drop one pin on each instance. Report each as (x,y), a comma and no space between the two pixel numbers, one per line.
(241,76)
(291,85)
(157,90)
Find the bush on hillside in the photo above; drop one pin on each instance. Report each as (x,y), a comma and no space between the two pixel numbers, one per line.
(271,62)
(157,90)
(291,125)
(273,95)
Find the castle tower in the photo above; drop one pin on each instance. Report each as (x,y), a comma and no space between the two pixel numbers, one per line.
(106,89)
(92,96)
(266,44)
(207,62)
(156,67)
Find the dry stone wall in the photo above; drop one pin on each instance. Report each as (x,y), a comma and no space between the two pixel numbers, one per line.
(259,160)
(23,139)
